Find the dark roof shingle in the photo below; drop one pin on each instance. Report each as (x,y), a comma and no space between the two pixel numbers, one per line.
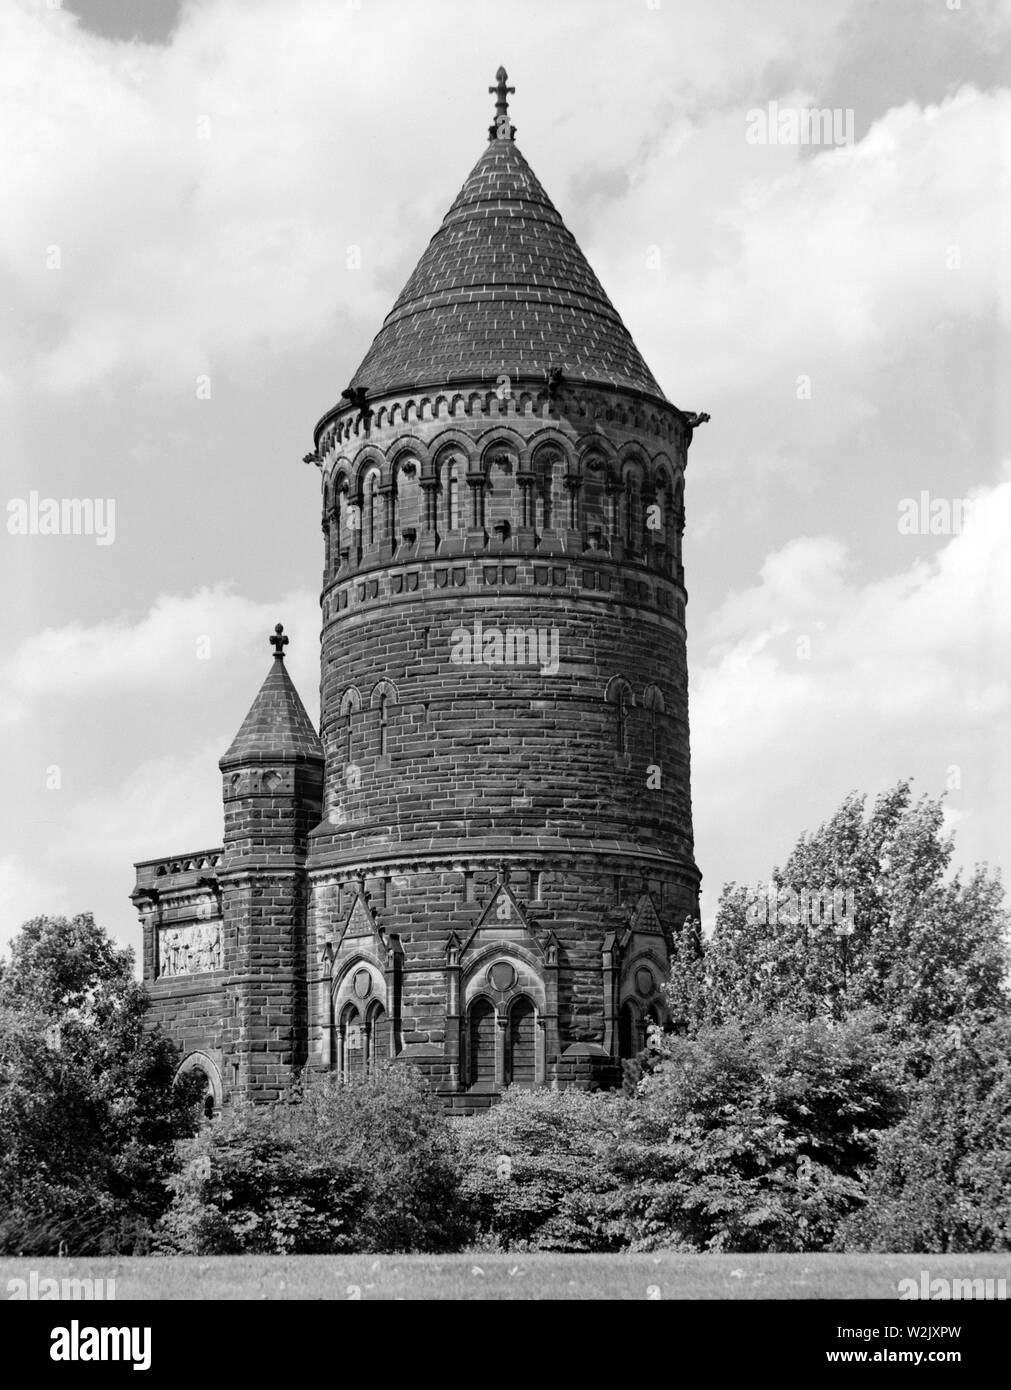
(277,723)
(502,288)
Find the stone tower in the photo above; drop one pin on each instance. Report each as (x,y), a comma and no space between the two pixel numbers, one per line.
(479,865)
(272,782)
(506,847)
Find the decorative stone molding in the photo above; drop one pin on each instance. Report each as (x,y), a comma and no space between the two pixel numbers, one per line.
(189,950)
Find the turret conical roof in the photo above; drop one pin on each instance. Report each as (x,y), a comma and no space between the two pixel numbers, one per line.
(503,288)
(277,724)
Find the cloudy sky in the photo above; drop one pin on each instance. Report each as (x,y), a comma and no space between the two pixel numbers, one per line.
(182,183)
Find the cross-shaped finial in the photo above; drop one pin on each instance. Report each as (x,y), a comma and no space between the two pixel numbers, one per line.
(279,642)
(503,128)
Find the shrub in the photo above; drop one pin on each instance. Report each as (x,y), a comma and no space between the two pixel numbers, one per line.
(753,1139)
(365,1166)
(942,1177)
(89,1114)
(536,1170)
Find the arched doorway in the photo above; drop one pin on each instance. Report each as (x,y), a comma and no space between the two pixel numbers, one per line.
(212,1097)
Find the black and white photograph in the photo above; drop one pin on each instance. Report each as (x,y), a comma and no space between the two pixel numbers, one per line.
(506,679)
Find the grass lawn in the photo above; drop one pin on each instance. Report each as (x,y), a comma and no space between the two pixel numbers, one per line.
(539,1276)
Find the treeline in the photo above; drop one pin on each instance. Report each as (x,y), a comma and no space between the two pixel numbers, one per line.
(826,1086)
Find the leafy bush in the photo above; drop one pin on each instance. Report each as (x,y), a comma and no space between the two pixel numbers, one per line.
(536,1172)
(368,1166)
(89,1113)
(753,1139)
(942,1177)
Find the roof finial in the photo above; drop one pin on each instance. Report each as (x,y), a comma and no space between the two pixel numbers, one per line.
(279,642)
(503,128)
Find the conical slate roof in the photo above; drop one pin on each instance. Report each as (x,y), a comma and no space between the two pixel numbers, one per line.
(276,724)
(502,288)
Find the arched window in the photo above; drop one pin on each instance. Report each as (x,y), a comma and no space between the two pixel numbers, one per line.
(592,509)
(452,495)
(574,509)
(372,506)
(351,703)
(628,1030)
(352,1037)
(619,694)
(481,1043)
(521,1045)
(409,516)
(633,1026)
(621,723)
(545,479)
(384,697)
(394,515)
(378,1035)
(654,702)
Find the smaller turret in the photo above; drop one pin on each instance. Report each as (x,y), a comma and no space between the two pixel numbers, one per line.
(272,774)
(272,785)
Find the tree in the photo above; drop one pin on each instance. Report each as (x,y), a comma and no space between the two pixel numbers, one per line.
(861,917)
(865,923)
(752,1136)
(942,1177)
(89,1112)
(62,966)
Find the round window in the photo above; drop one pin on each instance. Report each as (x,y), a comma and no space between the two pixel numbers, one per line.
(644,982)
(502,975)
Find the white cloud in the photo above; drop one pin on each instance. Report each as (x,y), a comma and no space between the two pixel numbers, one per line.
(167,805)
(780,262)
(202,194)
(907,675)
(180,644)
(25,894)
